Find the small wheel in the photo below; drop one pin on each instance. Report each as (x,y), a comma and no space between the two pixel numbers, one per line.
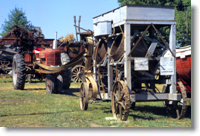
(50,84)
(178,109)
(19,71)
(76,73)
(120,101)
(84,96)
(59,82)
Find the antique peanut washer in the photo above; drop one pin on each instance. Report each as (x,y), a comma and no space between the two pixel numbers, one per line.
(129,61)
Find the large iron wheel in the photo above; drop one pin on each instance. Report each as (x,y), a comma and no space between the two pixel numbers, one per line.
(120,101)
(177,109)
(84,96)
(76,73)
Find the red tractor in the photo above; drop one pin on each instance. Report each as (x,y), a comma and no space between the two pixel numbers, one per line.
(55,81)
(37,58)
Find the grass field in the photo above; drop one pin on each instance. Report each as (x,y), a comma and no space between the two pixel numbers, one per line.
(33,107)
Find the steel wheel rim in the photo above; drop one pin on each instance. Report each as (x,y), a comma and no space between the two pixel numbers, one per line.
(14,73)
(177,110)
(120,101)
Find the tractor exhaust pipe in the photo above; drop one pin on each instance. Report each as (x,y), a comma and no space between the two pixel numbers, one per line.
(55,42)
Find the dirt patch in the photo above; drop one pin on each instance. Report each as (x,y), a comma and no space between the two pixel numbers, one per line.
(17,100)
(95,125)
(27,126)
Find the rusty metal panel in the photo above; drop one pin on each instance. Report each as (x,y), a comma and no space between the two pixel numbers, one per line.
(27,58)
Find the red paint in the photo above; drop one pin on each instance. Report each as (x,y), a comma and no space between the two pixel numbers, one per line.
(183,69)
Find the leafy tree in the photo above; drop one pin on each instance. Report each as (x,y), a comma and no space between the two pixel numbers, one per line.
(181,8)
(16,17)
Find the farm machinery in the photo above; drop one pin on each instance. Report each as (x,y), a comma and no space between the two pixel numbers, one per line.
(128,61)
(183,67)
(39,58)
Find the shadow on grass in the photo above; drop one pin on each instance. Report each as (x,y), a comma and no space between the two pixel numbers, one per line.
(29,89)
(6,82)
(35,82)
(161,111)
(71,91)
(35,113)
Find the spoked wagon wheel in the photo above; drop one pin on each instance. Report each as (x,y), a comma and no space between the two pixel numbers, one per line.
(178,109)
(120,101)
(76,76)
(84,96)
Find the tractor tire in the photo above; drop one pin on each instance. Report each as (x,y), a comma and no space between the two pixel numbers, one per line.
(19,72)
(64,58)
(59,83)
(66,74)
(50,84)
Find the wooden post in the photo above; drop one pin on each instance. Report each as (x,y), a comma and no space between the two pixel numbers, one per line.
(75,28)
(127,49)
(110,69)
(172,46)
(79,27)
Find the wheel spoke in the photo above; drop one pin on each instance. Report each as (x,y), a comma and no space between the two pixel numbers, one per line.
(75,70)
(120,111)
(122,96)
(115,96)
(122,104)
(79,69)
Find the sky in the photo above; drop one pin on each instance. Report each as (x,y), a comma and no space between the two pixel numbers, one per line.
(57,15)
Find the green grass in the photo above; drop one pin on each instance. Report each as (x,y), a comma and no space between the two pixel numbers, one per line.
(33,107)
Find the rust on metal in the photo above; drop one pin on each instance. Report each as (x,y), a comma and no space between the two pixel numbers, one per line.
(120,100)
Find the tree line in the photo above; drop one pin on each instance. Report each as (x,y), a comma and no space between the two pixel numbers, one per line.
(182,17)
